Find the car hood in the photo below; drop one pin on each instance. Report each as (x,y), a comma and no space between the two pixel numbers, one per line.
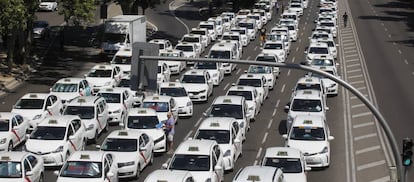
(28,113)
(250,103)
(4,134)
(307,146)
(189,54)
(97,81)
(273,51)
(154,133)
(201,176)
(42,146)
(66,95)
(225,147)
(122,157)
(182,101)
(114,106)
(194,87)
(297,177)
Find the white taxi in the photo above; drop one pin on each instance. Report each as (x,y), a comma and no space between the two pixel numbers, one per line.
(251,27)
(13,129)
(203,158)
(293,28)
(162,104)
(234,107)
(89,166)
(215,70)
(132,149)
(194,39)
(219,24)
(280,36)
(255,80)
(163,44)
(198,84)
(189,51)
(270,74)
(37,106)
(290,160)
(146,120)
(160,175)
(180,95)
(236,38)
(259,173)
(309,82)
(69,88)
(271,58)
(331,86)
(250,95)
(56,138)
(311,135)
(243,34)
(122,58)
(331,45)
(277,48)
(224,50)
(163,73)
(323,61)
(93,112)
(103,76)
(211,28)
(317,49)
(203,32)
(21,166)
(175,66)
(227,133)
(119,102)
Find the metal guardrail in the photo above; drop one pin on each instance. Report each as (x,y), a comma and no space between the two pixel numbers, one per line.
(349,87)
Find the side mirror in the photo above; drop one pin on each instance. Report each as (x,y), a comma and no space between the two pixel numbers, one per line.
(306,51)
(249,115)
(233,84)
(110,174)
(287,108)
(29,173)
(142,149)
(97,146)
(71,137)
(218,168)
(307,168)
(236,141)
(331,138)
(205,114)
(81,90)
(50,89)
(85,75)
(100,115)
(285,136)
(327,108)
(56,172)
(245,71)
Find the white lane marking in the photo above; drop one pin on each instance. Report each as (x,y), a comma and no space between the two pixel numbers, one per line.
(349,51)
(352,60)
(225,87)
(238,71)
(361,88)
(383,179)
(368,149)
(306,22)
(405,61)
(301,34)
(386,29)
(394,43)
(259,153)
(293,59)
(363,125)
(365,136)
(270,124)
(354,97)
(198,122)
(351,55)
(348,40)
(382,24)
(399,51)
(300,40)
(370,165)
(357,82)
(348,44)
(265,137)
(349,47)
(274,112)
(255,162)
(248,58)
(188,135)
(361,114)
(355,70)
(288,72)
(277,102)
(255,48)
(389,35)
(355,76)
(352,65)
(357,105)
(283,88)
(297,49)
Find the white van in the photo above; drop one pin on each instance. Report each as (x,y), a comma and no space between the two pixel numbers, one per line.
(225,51)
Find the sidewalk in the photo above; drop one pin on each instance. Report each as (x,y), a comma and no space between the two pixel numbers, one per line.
(9,82)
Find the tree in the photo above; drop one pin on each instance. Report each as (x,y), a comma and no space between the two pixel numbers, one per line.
(78,12)
(130,7)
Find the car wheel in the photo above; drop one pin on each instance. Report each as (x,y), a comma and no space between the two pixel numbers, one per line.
(106,127)
(10,147)
(95,138)
(152,159)
(138,172)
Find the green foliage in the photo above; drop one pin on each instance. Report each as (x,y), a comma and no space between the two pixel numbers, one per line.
(12,15)
(78,12)
(131,6)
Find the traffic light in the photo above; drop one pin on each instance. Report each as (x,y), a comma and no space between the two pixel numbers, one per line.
(407,151)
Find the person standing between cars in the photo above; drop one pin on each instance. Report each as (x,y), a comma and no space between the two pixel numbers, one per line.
(277,7)
(345,17)
(169,127)
(262,35)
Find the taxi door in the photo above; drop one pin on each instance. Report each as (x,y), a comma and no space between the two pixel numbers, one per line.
(77,134)
(28,171)
(35,167)
(18,130)
(217,160)
(237,140)
(110,169)
(145,149)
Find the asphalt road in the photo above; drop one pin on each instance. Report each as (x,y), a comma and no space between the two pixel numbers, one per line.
(265,132)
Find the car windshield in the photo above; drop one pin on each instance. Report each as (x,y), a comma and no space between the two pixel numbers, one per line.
(198,32)
(327,24)
(229,37)
(306,105)
(119,145)
(29,104)
(319,35)
(246,94)
(295,6)
(157,106)
(318,50)
(221,136)
(185,48)
(246,25)
(254,17)
(219,55)
(291,27)
(210,27)
(226,110)
(100,73)
(142,122)
(305,86)
(250,82)
(48,133)
(307,133)
(191,39)
(121,60)
(173,91)
(124,83)
(190,162)
(276,37)
(206,65)
(266,59)
(4,124)
(289,17)
(241,31)
(288,165)
(111,97)
(65,87)
(10,169)
(193,79)
(82,169)
(170,54)
(322,62)
(84,112)
(259,69)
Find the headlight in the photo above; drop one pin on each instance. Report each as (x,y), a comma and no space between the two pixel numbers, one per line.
(90,127)
(107,83)
(325,150)
(189,103)
(37,116)
(126,164)
(159,139)
(3,141)
(59,149)
(117,111)
(172,66)
(215,75)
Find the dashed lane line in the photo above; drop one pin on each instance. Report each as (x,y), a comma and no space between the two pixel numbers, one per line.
(399,51)
(365,136)
(353,65)
(238,71)
(198,122)
(357,105)
(265,137)
(355,70)
(355,76)
(283,88)
(293,59)
(274,112)
(405,61)
(357,82)
(370,165)
(363,125)
(368,149)
(288,73)
(383,179)
(188,135)
(259,153)
(277,103)
(270,124)
(227,85)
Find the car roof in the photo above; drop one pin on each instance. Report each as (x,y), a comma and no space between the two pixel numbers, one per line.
(84,101)
(242,88)
(35,96)
(87,155)
(163,175)
(256,173)
(7,115)
(309,120)
(142,112)
(70,80)
(124,52)
(217,123)
(250,76)
(58,121)
(125,134)
(185,44)
(282,152)
(222,46)
(228,99)
(159,41)
(309,79)
(15,156)
(170,51)
(308,94)
(171,85)
(195,72)
(318,44)
(196,146)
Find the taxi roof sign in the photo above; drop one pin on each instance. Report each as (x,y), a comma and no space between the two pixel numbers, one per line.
(123,133)
(142,111)
(102,66)
(227,100)
(109,89)
(5,158)
(33,96)
(193,148)
(156,98)
(52,121)
(282,153)
(81,100)
(215,124)
(307,122)
(171,84)
(84,156)
(253,178)
(308,79)
(239,87)
(307,92)
(162,181)
(66,80)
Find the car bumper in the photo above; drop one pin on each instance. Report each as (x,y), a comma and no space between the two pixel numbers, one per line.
(185,111)
(4,147)
(53,159)
(317,160)
(127,171)
(198,97)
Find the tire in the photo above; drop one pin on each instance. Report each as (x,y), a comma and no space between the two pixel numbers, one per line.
(10,147)
(152,159)
(138,173)
(106,127)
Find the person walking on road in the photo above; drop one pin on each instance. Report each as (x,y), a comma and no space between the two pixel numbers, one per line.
(262,35)
(277,7)
(169,131)
(345,17)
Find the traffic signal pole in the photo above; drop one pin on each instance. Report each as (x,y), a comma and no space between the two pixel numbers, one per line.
(349,87)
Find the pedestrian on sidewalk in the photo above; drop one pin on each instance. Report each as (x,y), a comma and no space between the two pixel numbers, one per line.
(345,17)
